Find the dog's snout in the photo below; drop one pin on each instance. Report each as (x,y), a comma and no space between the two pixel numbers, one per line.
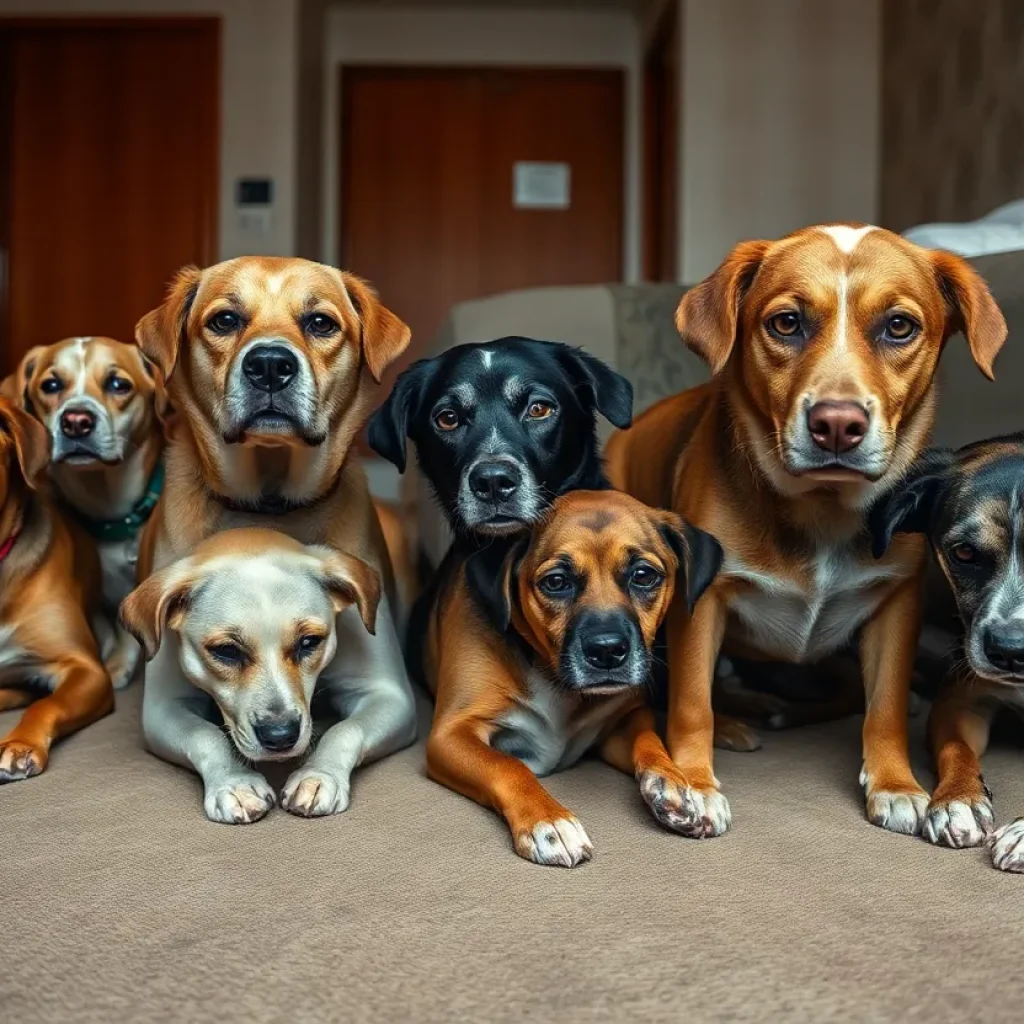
(270,367)
(1004,648)
(837,426)
(494,481)
(277,734)
(606,650)
(75,423)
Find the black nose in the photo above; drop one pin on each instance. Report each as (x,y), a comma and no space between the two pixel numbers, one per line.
(270,367)
(494,481)
(605,650)
(76,423)
(1004,648)
(277,733)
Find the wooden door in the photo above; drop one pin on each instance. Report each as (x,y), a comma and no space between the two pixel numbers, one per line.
(427,164)
(108,171)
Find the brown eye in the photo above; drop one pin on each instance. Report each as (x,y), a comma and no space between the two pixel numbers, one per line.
(556,584)
(224,322)
(900,328)
(785,325)
(964,552)
(539,410)
(227,654)
(447,419)
(118,385)
(321,326)
(51,386)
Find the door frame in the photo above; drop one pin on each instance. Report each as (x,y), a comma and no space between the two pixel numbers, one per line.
(10,25)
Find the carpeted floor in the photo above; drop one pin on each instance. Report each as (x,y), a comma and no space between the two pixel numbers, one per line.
(120,901)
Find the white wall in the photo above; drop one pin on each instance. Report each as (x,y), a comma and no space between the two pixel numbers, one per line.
(259,76)
(781,120)
(393,35)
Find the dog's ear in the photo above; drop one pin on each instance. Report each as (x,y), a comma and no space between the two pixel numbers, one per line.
(708,315)
(610,393)
(491,576)
(160,332)
(161,400)
(972,310)
(30,438)
(698,553)
(158,603)
(909,507)
(384,336)
(389,425)
(350,580)
(15,387)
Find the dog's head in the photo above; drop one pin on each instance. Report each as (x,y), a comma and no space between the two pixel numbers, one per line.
(592,584)
(99,399)
(271,351)
(832,336)
(970,504)
(254,613)
(24,451)
(501,428)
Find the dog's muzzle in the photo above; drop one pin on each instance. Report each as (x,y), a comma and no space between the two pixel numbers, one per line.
(84,434)
(835,436)
(497,496)
(604,653)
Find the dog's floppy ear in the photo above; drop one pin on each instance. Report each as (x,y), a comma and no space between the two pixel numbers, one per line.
(384,336)
(699,555)
(708,315)
(972,309)
(350,580)
(909,507)
(491,576)
(157,603)
(610,393)
(15,387)
(30,438)
(161,400)
(160,332)
(389,425)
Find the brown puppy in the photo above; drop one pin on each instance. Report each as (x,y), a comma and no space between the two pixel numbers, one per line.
(544,656)
(824,347)
(47,583)
(271,364)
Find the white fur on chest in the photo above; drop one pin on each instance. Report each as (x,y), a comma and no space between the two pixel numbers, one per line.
(787,619)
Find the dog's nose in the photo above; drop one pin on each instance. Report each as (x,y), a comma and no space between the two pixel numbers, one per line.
(1004,648)
(494,481)
(77,423)
(605,650)
(270,367)
(837,426)
(277,734)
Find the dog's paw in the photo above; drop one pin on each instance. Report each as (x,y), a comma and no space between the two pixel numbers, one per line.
(313,794)
(900,810)
(694,813)
(121,669)
(1006,845)
(19,760)
(240,801)
(732,734)
(561,843)
(958,823)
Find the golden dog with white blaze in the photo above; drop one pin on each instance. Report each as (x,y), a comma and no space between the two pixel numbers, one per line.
(271,364)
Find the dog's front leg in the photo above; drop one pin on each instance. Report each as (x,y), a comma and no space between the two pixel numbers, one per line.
(895,799)
(176,721)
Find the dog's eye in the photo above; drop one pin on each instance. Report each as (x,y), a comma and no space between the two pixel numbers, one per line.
(644,577)
(784,325)
(447,419)
(227,654)
(224,322)
(118,385)
(308,644)
(321,326)
(555,584)
(539,410)
(964,553)
(52,386)
(900,329)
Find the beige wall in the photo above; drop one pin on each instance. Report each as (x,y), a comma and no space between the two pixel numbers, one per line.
(386,34)
(259,77)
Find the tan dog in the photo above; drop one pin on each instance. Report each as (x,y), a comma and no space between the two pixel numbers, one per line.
(48,586)
(824,347)
(271,364)
(251,615)
(104,406)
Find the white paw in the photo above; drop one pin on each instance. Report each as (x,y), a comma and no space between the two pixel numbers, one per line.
(694,813)
(902,812)
(240,801)
(1007,847)
(562,843)
(314,794)
(958,823)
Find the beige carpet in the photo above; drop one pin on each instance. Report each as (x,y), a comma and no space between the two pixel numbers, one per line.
(120,901)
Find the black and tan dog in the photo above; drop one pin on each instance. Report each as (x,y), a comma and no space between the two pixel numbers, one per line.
(970,504)
(550,659)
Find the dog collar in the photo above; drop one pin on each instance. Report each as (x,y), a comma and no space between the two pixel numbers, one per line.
(5,548)
(127,527)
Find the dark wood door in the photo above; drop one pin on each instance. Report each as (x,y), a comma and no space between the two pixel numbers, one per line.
(108,171)
(427,168)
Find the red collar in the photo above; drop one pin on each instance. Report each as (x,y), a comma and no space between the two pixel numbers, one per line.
(5,548)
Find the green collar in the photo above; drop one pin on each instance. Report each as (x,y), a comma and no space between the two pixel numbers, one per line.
(127,527)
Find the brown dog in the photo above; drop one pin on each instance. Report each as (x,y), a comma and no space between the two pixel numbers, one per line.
(47,584)
(271,364)
(823,347)
(544,656)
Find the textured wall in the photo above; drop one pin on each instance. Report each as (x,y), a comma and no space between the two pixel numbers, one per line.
(953,109)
